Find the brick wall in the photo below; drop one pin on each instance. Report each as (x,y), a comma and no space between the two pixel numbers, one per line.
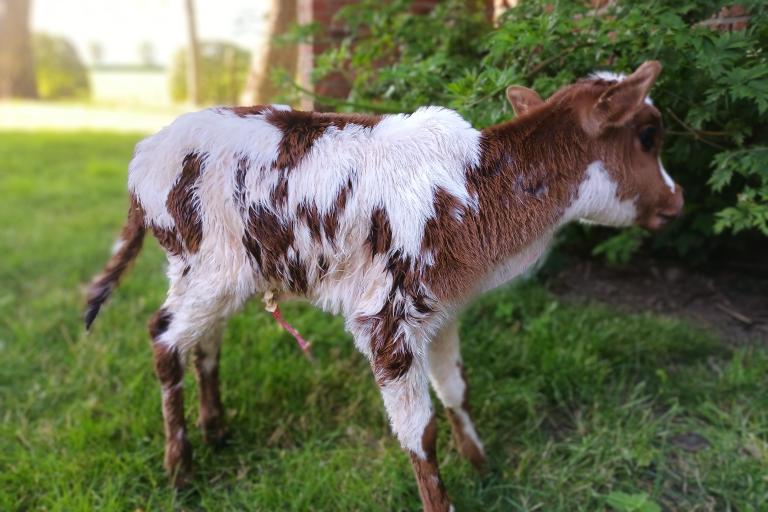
(322,12)
(730,18)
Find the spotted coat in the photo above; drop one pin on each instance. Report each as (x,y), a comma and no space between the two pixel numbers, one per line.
(392,221)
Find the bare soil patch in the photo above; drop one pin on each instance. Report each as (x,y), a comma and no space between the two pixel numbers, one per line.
(732,304)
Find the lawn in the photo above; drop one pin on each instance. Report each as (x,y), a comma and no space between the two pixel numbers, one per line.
(581,407)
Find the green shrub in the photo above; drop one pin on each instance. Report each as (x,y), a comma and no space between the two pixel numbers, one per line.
(60,72)
(713,92)
(223,70)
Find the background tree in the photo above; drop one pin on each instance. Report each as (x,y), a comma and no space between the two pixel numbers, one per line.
(223,68)
(272,54)
(193,54)
(146,52)
(96,49)
(59,70)
(17,72)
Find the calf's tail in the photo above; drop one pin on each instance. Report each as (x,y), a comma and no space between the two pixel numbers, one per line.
(125,252)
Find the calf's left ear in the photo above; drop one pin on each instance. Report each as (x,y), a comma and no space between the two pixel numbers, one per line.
(619,103)
(522,99)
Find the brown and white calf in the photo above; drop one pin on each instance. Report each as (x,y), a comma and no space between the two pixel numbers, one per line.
(393,221)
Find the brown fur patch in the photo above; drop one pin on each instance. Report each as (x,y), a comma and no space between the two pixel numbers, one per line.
(331,219)
(380,235)
(241,171)
(169,239)
(267,238)
(159,322)
(297,275)
(465,444)
(307,212)
(279,194)
(181,202)
(529,173)
(340,121)
(167,364)
(391,356)
(301,130)
(431,489)
(322,263)
(407,281)
(242,111)
(170,372)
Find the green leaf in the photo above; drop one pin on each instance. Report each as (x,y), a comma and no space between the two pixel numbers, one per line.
(622,502)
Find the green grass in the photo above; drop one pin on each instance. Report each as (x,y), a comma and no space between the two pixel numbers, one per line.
(581,407)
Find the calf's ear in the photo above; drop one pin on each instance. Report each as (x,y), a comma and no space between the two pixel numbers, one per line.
(619,103)
(522,99)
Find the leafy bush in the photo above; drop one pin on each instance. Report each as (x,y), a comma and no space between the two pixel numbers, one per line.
(713,92)
(223,70)
(60,72)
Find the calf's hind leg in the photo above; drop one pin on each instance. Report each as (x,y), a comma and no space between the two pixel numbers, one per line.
(446,372)
(182,324)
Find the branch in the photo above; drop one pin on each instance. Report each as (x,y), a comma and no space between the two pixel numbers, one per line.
(533,72)
(697,134)
(543,64)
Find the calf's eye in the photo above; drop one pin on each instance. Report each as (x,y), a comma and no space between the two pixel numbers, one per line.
(648,138)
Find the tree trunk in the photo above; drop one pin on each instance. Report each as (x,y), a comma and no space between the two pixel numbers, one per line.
(268,55)
(17,66)
(193,55)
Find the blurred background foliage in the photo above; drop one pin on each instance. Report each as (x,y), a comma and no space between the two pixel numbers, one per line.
(713,93)
(223,71)
(59,70)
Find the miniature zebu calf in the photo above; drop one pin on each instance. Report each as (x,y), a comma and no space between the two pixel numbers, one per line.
(393,221)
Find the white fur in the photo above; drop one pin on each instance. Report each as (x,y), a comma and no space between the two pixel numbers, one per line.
(597,202)
(119,243)
(409,407)
(666,177)
(447,380)
(610,76)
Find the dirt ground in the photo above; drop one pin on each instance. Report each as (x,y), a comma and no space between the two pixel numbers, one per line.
(732,304)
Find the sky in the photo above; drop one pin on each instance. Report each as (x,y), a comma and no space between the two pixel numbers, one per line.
(121,27)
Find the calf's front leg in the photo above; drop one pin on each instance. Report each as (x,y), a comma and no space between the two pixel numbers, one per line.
(211,416)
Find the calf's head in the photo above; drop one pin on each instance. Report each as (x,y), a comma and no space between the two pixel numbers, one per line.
(620,131)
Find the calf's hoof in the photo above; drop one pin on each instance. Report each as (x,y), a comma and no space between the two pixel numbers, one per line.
(215,433)
(181,478)
(216,437)
(178,463)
